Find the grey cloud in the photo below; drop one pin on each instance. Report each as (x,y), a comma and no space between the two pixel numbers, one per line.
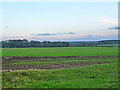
(47,34)
(89,36)
(114,28)
(5,26)
(68,33)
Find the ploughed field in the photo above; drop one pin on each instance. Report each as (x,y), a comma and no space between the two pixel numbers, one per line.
(49,63)
(96,67)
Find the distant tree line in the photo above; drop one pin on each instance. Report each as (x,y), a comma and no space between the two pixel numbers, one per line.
(27,44)
(102,43)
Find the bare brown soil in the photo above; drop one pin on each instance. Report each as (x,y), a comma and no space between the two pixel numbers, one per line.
(51,66)
(56,57)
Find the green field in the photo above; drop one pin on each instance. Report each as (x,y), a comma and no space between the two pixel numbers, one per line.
(96,76)
(62,51)
(69,67)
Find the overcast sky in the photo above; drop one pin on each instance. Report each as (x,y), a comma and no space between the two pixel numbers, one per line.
(67,21)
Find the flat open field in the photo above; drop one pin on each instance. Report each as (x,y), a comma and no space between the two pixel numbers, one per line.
(69,67)
(62,51)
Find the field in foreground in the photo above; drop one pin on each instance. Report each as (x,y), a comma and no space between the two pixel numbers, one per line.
(78,68)
(60,72)
(61,51)
(95,76)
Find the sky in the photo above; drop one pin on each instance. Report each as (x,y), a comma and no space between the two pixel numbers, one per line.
(55,21)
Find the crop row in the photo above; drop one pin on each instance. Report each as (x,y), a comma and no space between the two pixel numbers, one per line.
(52,63)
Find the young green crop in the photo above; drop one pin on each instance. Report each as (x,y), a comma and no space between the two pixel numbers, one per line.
(61,51)
(48,62)
(66,61)
(95,76)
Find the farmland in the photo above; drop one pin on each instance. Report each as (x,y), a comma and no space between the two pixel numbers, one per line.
(61,51)
(60,67)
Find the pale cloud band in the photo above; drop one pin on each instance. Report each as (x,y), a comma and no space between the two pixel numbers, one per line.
(108,21)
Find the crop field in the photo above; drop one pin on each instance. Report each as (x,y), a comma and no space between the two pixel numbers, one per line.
(71,67)
(61,51)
